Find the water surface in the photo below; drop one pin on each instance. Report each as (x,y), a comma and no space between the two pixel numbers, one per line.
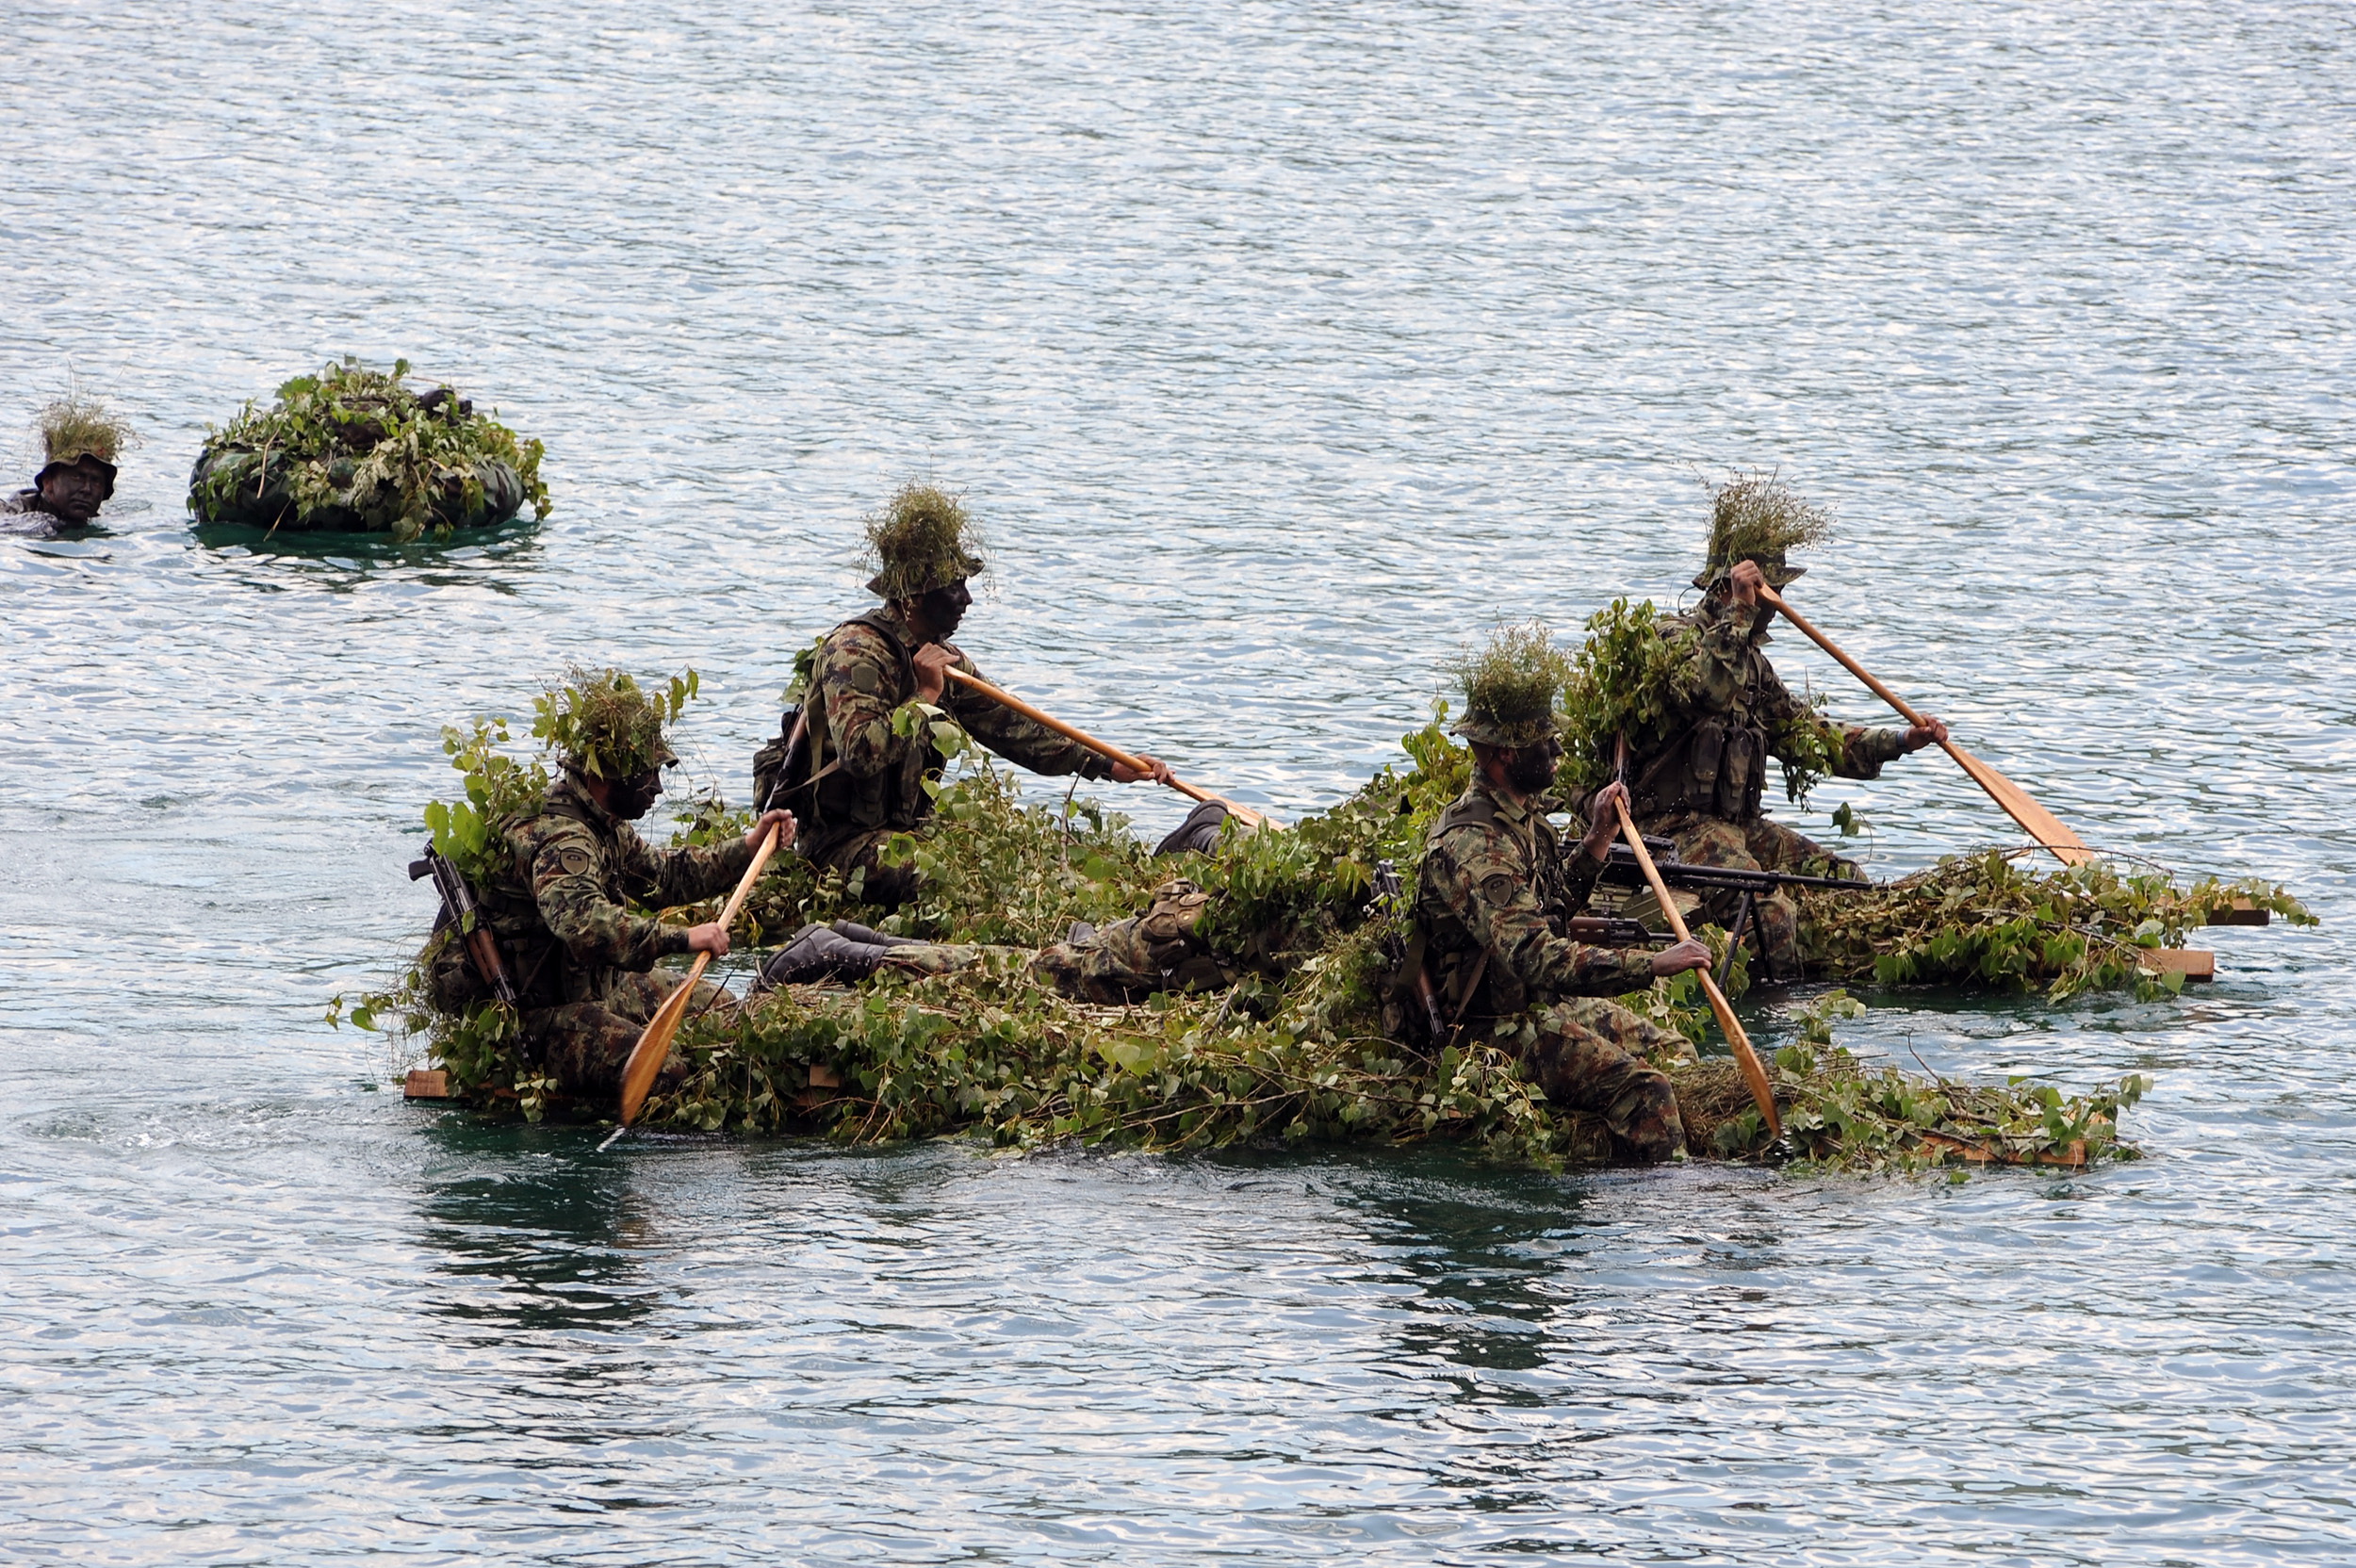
(1281,348)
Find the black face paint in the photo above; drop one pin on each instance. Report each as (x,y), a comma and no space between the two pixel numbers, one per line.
(1532,767)
(632,798)
(944,608)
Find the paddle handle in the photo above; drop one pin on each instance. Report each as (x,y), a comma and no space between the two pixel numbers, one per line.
(654,1042)
(1103,748)
(1745,1058)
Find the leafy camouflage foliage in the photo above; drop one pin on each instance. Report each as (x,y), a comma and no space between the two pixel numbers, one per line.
(923,539)
(604,725)
(81,427)
(1630,678)
(1992,920)
(1840,1113)
(1510,684)
(1622,682)
(353,449)
(1295,1051)
(496,788)
(1759,515)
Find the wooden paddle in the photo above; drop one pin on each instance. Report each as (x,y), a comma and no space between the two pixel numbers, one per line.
(1243,814)
(2042,825)
(1744,1057)
(654,1042)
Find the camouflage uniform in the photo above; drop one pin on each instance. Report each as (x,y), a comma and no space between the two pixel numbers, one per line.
(1131,959)
(1696,776)
(1495,879)
(869,783)
(579,958)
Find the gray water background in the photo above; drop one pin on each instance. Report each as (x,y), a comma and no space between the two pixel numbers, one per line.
(1281,348)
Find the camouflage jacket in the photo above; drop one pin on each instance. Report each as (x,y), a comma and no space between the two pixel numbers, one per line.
(559,908)
(1496,876)
(871,778)
(1709,755)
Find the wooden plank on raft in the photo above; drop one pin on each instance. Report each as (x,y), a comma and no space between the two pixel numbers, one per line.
(2193,963)
(2242,913)
(822,1079)
(426,1084)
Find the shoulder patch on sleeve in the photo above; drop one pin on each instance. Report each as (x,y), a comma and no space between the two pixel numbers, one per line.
(1499,888)
(577,862)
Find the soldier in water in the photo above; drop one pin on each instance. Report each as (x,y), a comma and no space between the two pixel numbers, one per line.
(855,776)
(80,441)
(1696,774)
(1496,884)
(560,904)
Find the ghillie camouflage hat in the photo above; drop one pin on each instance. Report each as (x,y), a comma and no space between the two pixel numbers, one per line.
(1510,687)
(924,540)
(73,429)
(602,724)
(1758,518)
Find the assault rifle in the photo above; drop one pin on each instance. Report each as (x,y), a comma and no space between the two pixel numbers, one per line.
(459,910)
(1611,931)
(1390,902)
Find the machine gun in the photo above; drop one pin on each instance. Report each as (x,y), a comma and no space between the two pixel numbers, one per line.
(458,909)
(1621,870)
(1389,903)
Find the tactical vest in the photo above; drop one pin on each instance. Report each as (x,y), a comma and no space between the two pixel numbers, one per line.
(1470,988)
(832,805)
(1715,768)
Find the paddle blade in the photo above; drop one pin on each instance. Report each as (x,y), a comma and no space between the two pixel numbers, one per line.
(654,1045)
(2040,825)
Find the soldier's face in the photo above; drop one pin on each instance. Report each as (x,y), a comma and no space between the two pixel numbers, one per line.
(75,493)
(944,608)
(1532,767)
(634,798)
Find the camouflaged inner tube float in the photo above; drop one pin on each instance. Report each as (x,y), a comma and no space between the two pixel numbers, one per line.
(354,450)
(247,493)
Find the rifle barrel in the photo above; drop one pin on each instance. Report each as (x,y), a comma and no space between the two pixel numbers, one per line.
(1621,867)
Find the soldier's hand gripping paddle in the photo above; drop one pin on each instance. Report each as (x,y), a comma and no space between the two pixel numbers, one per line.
(1744,1057)
(1243,814)
(2041,825)
(654,1042)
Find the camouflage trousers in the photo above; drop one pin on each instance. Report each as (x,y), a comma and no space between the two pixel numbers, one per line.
(586,1043)
(887,886)
(1756,845)
(1588,1053)
(1131,959)
(949,958)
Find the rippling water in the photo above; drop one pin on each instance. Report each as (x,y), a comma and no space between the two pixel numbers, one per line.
(1281,347)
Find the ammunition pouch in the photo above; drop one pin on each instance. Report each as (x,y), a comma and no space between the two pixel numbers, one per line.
(1716,769)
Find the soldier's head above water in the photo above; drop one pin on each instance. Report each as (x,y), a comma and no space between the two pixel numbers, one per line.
(1759,518)
(607,732)
(925,547)
(80,441)
(1509,687)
